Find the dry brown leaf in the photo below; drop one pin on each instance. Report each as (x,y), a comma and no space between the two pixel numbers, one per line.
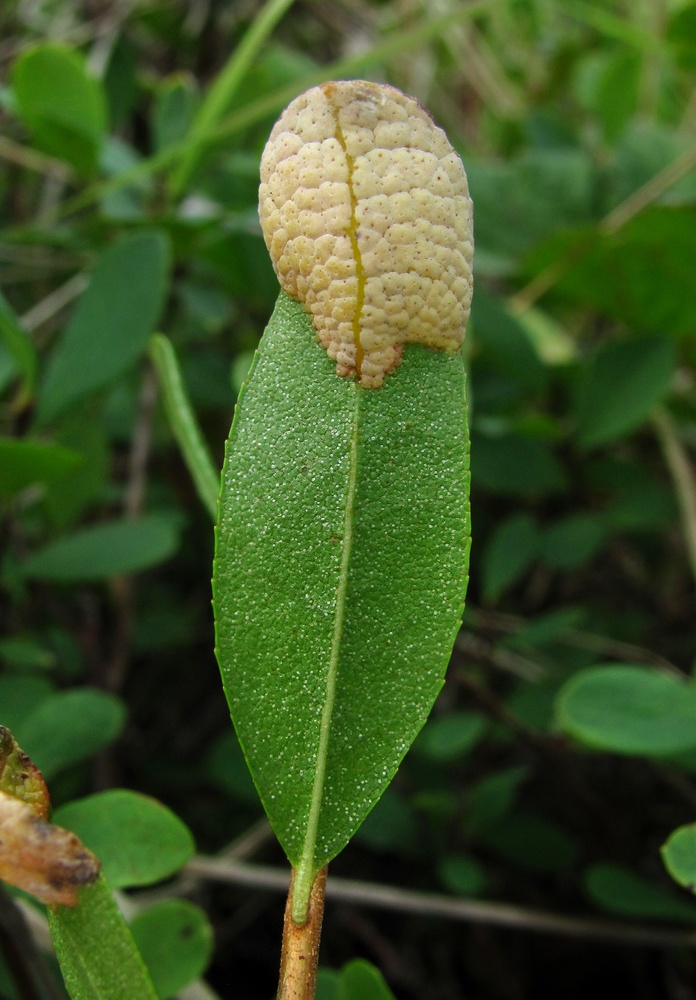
(42,859)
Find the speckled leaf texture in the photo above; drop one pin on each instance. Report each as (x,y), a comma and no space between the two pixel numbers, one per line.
(340,574)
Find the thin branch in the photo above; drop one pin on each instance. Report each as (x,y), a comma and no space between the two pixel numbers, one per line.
(433,905)
(682,473)
(31,159)
(47,308)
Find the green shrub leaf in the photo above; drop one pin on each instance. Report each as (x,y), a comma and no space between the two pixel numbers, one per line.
(23,463)
(62,105)
(629,710)
(111,324)
(96,951)
(679,856)
(175,939)
(620,386)
(620,891)
(105,550)
(340,575)
(137,839)
(70,726)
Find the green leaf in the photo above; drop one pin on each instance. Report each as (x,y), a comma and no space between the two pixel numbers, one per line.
(176,99)
(450,736)
(175,939)
(492,798)
(679,856)
(183,423)
(70,726)
(340,575)
(18,345)
(98,957)
(572,541)
(629,710)
(390,827)
(619,890)
(360,980)
(111,325)
(509,553)
(532,842)
(62,105)
(137,839)
(462,874)
(20,697)
(504,343)
(515,466)
(105,550)
(620,386)
(23,463)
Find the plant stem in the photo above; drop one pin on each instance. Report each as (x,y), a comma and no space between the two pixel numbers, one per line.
(300,954)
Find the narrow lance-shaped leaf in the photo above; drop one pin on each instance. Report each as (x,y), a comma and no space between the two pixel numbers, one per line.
(343,532)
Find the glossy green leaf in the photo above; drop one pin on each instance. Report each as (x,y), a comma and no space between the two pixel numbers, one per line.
(630,710)
(137,839)
(105,550)
(62,105)
(98,957)
(360,980)
(175,939)
(70,726)
(509,553)
(679,856)
(111,324)
(621,385)
(621,891)
(23,463)
(340,575)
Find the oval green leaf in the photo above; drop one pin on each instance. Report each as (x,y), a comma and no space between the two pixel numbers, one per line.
(62,105)
(70,726)
(98,957)
(111,324)
(679,856)
(360,980)
(620,386)
(23,463)
(105,550)
(175,939)
(137,839)
(629,710)
(340,575)
(619,890)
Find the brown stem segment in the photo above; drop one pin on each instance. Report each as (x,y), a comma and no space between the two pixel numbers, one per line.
(300,954)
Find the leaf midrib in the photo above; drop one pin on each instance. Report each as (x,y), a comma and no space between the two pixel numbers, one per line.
(306,871)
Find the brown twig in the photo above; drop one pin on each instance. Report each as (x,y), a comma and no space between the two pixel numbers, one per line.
(300,953)
(435,905)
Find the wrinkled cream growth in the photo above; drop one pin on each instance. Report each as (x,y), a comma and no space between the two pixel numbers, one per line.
(366,213)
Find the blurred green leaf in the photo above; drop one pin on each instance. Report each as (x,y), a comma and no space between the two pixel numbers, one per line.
(533,842)
(61,104)
(70,726)
(504,342)
(509,553)
(390,826)
(572,542)
(20,697)
(629,710)
(138,840)
(462,874)
(679,856)
(175,939)
(105,550)
(176,100)
(513,465)
(450,736)
(24,462)
(620,386)
(111,325)
(360,980)
(620,891)
(492,798)
(18,345)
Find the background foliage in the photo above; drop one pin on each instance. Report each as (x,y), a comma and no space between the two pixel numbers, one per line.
(560,757)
